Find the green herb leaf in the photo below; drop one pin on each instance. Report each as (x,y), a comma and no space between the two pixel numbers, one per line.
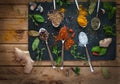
(103,51)
(35,44)
(107,6)
(39,18)
(99,50)
(60,3)
(58,60)
(92,7)
(105,72)
(76,70)
(96,49)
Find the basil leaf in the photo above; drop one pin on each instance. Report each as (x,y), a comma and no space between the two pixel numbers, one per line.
(35,44)
(96,49)
(103,51)
(39,18)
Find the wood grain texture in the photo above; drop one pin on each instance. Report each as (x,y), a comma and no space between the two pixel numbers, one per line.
(40,75)
(14,24)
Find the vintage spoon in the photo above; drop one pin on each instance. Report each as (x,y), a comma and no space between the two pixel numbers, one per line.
(95,22)
(83,40)
(44,36)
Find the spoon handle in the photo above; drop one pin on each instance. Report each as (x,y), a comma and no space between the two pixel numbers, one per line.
(98,5)
(51,58)
(76,2)
(89,60)
(62,60)
(54,4)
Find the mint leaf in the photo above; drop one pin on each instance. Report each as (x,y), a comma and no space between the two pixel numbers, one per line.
(39,18)
(35,44)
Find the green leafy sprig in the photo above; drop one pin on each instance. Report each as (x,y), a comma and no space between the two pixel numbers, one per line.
(56,51)
(111,10)
(40,53)
(76,54)
(108,30)
(76,70)
(62,3)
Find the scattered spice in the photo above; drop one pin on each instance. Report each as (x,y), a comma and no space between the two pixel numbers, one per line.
(69,43)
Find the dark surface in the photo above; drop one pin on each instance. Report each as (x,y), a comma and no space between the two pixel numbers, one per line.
(93,36)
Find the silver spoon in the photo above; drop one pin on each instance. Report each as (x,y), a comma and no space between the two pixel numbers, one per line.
(44,36)
(83,40)
(95,22)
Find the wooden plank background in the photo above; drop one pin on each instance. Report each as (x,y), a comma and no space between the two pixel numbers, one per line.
(14,33)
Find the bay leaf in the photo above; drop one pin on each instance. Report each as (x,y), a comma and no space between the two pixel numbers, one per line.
(35,44)
(33,33)
(92,7)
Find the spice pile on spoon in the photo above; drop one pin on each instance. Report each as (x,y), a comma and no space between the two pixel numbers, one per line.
(56,16)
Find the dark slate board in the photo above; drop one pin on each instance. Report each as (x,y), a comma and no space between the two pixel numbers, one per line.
(94,38)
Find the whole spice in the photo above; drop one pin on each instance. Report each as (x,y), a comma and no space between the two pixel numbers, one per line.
(24,56)
(92,6)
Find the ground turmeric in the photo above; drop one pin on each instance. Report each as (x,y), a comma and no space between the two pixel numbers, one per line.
(82,20)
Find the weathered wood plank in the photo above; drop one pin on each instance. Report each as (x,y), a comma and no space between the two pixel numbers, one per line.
(13,24)
(7,54)
(47,75)
(13,11)
(18,36)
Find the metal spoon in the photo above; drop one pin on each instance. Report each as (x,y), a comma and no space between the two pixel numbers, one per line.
(44,36)
(83,39)
(95,22)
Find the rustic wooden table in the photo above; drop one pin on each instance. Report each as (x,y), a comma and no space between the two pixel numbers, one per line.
(14,33)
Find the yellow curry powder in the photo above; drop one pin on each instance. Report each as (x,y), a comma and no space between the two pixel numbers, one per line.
(82,20)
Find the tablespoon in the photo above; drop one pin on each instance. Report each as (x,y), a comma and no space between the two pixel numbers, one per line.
(44,36)
(83,40)
(95,22)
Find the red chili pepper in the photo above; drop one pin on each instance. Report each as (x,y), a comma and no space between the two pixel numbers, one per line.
(95,53)
(73,35)
(71,30)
